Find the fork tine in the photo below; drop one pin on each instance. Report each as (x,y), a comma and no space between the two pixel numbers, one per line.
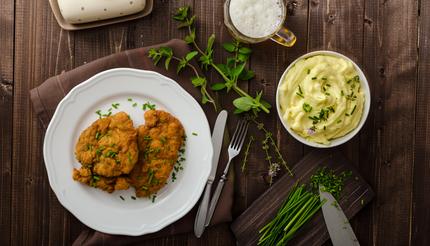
(243,136)
(236,134)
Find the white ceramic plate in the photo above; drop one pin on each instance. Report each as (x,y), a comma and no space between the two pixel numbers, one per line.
(364,87)
(108,212)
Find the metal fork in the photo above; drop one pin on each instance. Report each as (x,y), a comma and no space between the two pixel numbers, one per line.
(233,150)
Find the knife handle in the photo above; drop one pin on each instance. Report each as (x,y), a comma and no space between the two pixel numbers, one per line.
(215,197)
(199,223)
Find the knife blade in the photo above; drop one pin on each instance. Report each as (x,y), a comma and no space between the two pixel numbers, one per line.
(217,137)
(341,233)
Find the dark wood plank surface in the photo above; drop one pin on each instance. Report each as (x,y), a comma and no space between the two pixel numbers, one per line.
(388,39)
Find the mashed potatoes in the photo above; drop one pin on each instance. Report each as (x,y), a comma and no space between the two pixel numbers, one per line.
(321,99)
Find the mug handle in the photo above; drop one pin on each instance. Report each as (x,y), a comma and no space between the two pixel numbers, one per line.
(284,37)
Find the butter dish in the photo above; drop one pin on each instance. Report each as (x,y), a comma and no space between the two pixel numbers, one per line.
(82,14)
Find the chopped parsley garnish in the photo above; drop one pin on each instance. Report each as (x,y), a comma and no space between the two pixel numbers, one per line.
(355,106)
(324,78)
(130,99)
(122,198)
(108,114)
(307,108)
(322,116)
(351,96)
(95,177)
(332,183)
(133,197)
(134,105)
(314,78)
(300,95)
(115,105)
(89,147)
(100,150)
(99,113)
(153,198)
(163,139)
(147,138)
(148,105)
(194,134)
(309,71)
(300,92)
(111,154)
(129,157)
(339,121)
(98,135)
(150,176)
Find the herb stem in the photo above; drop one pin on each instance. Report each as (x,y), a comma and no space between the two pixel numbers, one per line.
(203,88)
(194,42)
(245,158)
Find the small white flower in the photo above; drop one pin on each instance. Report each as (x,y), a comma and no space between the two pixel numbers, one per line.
(273,170)
(311,131)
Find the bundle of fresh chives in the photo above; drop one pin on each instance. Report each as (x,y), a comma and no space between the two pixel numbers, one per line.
(297,209)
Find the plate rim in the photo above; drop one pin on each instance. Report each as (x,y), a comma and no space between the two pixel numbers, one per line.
(97,78)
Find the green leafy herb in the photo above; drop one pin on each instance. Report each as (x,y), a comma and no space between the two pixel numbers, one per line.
(133,197)
(148,105)
(99,113)
(98,135)
(194,134)
(329,180)
(122,198)
(153,198)
(115,105)
(231,72)
(134,105)
(307,108)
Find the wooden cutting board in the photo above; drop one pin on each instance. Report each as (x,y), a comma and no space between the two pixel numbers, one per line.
(356,194)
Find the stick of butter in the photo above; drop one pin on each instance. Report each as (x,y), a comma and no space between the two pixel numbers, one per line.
(82,11)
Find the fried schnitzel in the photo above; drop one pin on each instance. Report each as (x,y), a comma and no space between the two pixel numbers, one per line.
(159,141)
(106,149)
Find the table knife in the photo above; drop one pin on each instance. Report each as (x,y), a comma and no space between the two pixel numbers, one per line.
(338,226)
(217,137)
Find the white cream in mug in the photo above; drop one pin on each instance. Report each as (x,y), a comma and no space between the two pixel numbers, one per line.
(256,18)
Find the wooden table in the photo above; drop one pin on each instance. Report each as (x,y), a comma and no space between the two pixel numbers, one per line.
(389,39)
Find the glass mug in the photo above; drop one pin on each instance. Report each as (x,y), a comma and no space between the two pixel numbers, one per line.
(279,33)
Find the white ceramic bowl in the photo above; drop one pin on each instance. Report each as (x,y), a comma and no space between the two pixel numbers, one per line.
(364,86)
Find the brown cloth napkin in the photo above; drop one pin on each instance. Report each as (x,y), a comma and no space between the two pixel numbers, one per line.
(46,97)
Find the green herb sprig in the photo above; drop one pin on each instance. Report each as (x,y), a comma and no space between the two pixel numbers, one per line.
(231,72)
(269,145)
(246,155)
(198,80)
